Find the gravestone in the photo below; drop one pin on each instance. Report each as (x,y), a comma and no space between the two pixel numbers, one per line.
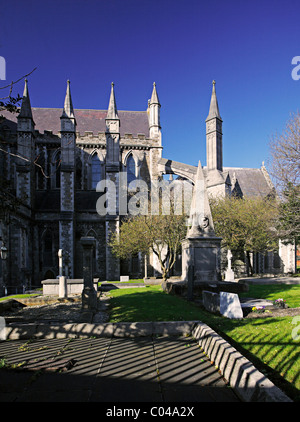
(229,274)
(230,306)
(124,278)
(89,294)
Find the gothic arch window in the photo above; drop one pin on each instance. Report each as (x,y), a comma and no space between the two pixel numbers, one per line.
(95,170)
(40,170)
(130,168)
(56,163)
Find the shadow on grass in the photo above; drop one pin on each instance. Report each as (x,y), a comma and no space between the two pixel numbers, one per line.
(150,305)
(265,342)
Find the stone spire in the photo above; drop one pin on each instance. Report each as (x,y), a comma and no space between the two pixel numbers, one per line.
(154,96)
(154,114)
(112,112)
(214,108)
(68,110)
(214,142)
(25,110)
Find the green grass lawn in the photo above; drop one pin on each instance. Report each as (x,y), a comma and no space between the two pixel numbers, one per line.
(289,292)
(267,342)
(19,296)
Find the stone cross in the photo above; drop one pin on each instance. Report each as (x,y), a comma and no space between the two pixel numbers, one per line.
(229,273)
(229,256)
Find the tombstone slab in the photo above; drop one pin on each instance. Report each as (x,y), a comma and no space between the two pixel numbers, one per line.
(230,306)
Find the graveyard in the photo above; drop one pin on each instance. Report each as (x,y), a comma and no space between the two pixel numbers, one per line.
(263,335)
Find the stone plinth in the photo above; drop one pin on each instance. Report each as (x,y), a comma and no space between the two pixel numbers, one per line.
(203,253)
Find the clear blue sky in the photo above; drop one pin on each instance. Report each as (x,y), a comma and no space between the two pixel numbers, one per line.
(182,45)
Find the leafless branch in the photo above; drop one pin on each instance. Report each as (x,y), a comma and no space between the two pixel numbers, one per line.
(11,85)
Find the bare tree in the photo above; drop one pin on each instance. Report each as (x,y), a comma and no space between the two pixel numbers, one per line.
(11,102)
(285,169)
(285,154)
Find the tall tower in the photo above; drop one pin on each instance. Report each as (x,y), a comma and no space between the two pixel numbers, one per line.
(112,168)
(216,184)
(67,183)
(25,144)
(214,154)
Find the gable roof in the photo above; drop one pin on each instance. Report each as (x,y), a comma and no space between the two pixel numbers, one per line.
(251,181)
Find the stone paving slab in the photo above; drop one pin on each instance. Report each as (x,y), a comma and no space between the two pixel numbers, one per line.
(141,369)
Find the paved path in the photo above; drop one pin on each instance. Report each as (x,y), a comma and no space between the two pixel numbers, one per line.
(270,280)
(140,369)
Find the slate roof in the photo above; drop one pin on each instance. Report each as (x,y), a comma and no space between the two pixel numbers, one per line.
(134,122)
(251,181)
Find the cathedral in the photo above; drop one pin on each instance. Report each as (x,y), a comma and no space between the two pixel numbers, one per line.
(51,163)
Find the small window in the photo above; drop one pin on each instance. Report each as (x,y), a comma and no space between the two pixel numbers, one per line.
(96,171)
(130,169)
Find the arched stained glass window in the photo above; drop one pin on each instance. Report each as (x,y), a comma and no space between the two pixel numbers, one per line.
(130,169)
(96,171)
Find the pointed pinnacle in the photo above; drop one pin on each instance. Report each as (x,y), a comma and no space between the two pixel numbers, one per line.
(112,112)
(214,108)
(154,96)
(25,110)
(68,105)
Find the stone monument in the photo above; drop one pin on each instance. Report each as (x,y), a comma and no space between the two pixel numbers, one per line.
(89,294)
(63,288)
(201,249)
(229,274)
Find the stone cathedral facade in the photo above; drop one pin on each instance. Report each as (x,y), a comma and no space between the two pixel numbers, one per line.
(51,162)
